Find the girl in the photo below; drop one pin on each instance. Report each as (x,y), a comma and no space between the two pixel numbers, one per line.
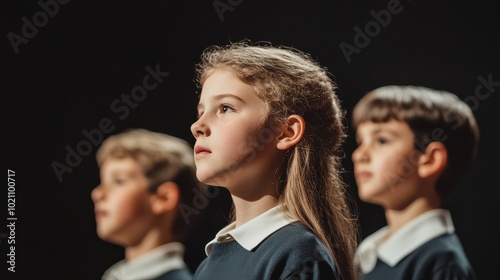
(269,130)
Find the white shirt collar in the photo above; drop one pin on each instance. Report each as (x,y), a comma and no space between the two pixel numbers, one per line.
(150,265)
(411,236)
(253,232)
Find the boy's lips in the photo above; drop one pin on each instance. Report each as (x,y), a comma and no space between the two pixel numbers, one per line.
(99,213)
(362,175)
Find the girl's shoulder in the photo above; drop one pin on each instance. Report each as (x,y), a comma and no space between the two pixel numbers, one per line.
(300,251)
(294,232)
(297,240)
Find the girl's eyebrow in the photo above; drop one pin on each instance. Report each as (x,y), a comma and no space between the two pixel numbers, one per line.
(219,97)
(227,95)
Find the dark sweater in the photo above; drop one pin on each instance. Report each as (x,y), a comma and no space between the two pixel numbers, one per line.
(441,258)
(291,252)
(177,274)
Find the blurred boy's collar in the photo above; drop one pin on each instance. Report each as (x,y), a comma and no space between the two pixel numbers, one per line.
(253,232)
(150,265)
(423,228)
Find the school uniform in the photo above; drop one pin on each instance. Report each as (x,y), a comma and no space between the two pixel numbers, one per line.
(270,246)
(426,248)
(162,263)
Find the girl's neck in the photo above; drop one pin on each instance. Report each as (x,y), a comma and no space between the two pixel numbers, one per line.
(246,210)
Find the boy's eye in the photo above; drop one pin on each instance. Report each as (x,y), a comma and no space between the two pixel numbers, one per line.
(358,140)
(382,141)
(119,181)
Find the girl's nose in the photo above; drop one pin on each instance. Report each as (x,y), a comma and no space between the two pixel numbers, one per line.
(199,128)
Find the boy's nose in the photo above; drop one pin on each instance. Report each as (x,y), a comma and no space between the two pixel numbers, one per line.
(359,154)
(97,194)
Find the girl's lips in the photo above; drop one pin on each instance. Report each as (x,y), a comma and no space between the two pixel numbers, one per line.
(201,150)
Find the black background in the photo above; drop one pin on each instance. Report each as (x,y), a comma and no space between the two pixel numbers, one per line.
(64,79)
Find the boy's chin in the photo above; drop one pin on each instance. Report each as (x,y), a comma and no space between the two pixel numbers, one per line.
(368,197)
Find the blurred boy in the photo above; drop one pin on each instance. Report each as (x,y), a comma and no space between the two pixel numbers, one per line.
(145,179)
(414,145)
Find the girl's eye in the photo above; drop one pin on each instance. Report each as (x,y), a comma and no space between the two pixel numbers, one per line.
(225,108)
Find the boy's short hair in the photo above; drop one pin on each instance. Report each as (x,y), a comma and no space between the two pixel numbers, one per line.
(432,115)
(162,158)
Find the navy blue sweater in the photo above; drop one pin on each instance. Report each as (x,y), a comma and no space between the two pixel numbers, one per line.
(441,258)
(177,274)
(291,252)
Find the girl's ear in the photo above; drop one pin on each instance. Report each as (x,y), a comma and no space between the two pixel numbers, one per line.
(433,161)
(166,198)
(292,132)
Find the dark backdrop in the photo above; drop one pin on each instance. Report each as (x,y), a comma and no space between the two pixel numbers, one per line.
(66,64)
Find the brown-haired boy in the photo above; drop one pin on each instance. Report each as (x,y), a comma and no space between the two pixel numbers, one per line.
(145,177)
(414,145)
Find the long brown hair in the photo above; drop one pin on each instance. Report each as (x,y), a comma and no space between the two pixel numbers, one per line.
(311,188)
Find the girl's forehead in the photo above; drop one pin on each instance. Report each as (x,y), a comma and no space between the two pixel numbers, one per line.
(225,83)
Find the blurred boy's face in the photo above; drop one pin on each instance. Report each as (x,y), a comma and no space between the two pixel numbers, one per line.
(122,202)
(233,147)
(385,164)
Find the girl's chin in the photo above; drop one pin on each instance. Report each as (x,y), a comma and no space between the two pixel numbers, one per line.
(213,178)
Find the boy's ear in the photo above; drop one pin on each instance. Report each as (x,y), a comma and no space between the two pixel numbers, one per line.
(433,161)
(292,132)
(166,198)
